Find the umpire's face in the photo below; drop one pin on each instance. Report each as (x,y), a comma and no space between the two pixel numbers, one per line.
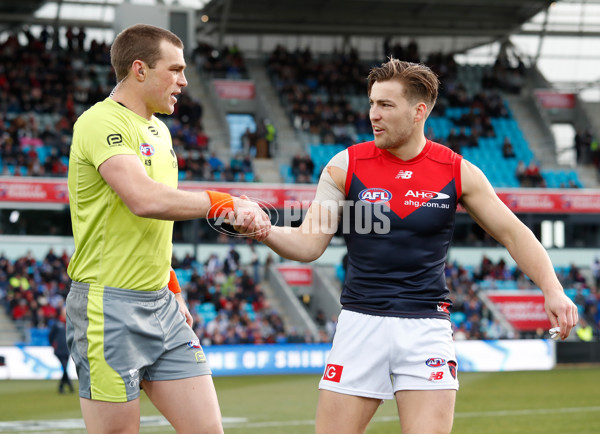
(166,80)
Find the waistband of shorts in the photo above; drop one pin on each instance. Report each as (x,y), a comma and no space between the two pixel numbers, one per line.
(110,291)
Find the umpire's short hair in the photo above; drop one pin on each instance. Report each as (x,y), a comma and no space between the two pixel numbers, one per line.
(139,42)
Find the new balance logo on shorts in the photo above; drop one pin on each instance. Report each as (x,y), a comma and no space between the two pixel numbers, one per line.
(333,373)
(436,376)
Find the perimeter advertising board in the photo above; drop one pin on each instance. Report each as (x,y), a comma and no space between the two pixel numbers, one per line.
(25,362)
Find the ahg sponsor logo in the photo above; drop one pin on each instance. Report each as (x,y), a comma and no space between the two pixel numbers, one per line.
(426,198)
(425,194)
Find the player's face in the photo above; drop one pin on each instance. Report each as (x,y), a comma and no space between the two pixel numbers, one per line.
(392,115)
(166,80)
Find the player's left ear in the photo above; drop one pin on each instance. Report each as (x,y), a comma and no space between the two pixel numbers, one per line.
(420,112)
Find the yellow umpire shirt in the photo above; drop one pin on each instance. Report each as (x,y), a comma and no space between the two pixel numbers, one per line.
(114,247)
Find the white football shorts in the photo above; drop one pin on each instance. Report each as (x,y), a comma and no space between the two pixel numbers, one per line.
(376,356)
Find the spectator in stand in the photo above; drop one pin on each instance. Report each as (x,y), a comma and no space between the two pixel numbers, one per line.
(303,168)
(520,173)
(507,149)
(533,176)
(216,165)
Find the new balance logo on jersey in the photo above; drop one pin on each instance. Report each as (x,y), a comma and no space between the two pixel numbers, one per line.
(333,373)
(404,174)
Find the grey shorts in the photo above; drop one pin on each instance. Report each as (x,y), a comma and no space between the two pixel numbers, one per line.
(119,337)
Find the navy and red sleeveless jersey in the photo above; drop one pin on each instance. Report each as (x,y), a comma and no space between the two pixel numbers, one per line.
(398,223)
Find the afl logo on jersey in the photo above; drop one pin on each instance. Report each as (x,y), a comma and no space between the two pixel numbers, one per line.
(375,195)
(147,149)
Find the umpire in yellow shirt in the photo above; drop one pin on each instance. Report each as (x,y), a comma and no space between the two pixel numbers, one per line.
(125,329)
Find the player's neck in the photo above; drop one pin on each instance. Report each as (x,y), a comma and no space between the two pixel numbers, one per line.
(132,102)
(409,149)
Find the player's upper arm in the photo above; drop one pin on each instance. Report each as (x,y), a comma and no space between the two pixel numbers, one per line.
(125,174)
(485,207)
(310,240)
(331,187)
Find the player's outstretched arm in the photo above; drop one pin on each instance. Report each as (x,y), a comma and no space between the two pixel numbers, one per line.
(482,203)
(307,242)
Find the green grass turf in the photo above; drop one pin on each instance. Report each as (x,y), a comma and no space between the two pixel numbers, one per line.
(565,401)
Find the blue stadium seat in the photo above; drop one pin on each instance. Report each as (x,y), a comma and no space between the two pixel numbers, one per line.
(184,275)
(39,336)
(286,173)
(206,311)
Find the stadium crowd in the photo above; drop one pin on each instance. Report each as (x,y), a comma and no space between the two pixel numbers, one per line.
(45,87)
(224,296)
(229,305)
(326,102)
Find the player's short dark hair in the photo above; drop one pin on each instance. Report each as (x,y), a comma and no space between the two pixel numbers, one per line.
(139,42)
(420,82)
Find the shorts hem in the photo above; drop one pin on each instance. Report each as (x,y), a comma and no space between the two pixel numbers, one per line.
(181,376)
(426,387)
(361,393)
(114,399)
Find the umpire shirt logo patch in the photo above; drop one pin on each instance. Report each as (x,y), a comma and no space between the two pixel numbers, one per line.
(147,149)
(114,140)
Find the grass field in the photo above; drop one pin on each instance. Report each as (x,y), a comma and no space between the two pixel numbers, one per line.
(565,401)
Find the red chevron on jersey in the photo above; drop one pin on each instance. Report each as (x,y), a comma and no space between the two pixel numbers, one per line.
(409,185)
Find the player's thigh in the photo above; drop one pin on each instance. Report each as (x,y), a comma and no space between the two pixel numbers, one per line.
(340,413)
(109,417)
(426,411)
(189,404)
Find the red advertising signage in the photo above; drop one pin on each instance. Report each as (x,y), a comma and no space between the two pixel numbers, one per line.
(32,190)
(551,99)
(279,196)
(551,201)
(297,275)
(523,309)
(234,89)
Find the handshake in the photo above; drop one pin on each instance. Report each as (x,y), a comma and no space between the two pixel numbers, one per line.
(246,216)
